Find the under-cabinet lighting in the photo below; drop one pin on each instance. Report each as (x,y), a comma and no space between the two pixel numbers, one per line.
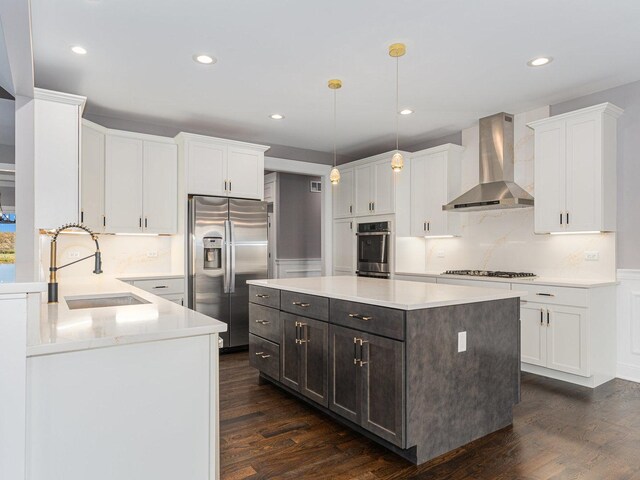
(587,232)
(439,236)
(138,234)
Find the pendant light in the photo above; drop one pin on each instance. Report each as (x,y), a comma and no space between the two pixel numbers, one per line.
(334,176)
(397,50)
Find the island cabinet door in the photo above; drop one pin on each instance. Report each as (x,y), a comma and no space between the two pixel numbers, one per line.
(314,350)
(382,372)
(344,373)
(289,351)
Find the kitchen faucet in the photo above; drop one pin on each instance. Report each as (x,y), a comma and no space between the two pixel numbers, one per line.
(53,280)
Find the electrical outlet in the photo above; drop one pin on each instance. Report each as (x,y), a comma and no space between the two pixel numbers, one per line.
(440,253)
(462,342)
(73,254)
(152,254)
(592,256)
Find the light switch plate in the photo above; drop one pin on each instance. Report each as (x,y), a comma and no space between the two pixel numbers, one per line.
(152,254)
(592,256)
(440,254)
(462,341)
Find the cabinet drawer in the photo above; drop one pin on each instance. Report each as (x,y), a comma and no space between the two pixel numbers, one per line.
(269,297)
(386,322)
(475,283)
(305,305)
(161,286)
(265,322)
(265,356)
(576,297)
(174,297)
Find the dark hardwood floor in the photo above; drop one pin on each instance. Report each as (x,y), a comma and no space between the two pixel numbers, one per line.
(560,431)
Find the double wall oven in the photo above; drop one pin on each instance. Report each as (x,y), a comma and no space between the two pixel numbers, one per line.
(373,249)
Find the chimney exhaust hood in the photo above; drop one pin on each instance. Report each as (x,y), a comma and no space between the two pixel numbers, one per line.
(496,190)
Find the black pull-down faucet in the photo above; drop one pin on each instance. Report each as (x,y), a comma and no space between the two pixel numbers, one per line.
(53,280)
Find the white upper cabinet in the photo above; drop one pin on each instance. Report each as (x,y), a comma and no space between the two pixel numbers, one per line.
(92,176)
(343,194)
(123,184)
(575,170)
(130,185)
(435,181)
(160,187)
(367,187)
(56,130)
(221,167)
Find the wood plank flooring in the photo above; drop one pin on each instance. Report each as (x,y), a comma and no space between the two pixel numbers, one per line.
(560,431)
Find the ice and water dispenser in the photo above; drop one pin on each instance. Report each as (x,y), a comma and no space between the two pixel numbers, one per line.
(212,253)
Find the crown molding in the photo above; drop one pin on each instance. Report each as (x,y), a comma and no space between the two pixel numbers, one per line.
(60,97)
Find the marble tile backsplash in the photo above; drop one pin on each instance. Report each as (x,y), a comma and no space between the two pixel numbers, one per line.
(505,239)
(121,254)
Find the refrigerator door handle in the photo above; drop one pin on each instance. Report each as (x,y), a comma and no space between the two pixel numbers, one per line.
(232,276)
(227,256)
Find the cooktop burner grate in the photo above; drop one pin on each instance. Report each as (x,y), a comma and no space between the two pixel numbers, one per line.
(490,273)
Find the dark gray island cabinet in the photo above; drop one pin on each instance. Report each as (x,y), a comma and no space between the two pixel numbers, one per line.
(420,368)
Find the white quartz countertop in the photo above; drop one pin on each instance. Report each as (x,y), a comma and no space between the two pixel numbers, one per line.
(397,294)
(17,288)
(60,329)
(551,281)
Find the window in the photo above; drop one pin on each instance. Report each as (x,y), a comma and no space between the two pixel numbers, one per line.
(7,247)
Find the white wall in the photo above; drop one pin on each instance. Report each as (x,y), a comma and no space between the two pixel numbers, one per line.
(504,239)
(629,325)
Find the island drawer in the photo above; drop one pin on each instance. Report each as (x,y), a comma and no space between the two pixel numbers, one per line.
(269,297)
(383,321)
(265,322)
(265,356)
(304,305)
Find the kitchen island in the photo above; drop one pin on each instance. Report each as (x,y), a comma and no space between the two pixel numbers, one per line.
(420,368)
(121,384)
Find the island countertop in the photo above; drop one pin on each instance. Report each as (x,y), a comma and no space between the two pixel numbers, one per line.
(61,329)
(398,294)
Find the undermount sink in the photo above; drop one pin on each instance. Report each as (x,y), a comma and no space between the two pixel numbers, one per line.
(105,300)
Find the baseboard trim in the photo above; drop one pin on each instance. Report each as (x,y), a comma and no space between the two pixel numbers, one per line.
(628,372)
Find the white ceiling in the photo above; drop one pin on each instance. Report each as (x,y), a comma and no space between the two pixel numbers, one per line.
(465,59)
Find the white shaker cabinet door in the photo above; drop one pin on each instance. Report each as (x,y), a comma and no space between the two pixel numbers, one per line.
(383,187)
(343,194)
(418,196)
(567,340)
(435,186)
(206,168)
(92,178)
(583,174)
(245,173)
(160,187)
(344,247)
(123,184)
(533,331)
(550,178)
(363,190)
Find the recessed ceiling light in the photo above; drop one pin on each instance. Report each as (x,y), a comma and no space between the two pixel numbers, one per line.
(406,111)
(539,61)
(77,49)
(276,116)
(204,59)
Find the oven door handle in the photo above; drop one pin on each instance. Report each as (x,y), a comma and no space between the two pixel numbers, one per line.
(370,234)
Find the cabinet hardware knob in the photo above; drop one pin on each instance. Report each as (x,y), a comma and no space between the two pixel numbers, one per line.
(360,317)
(300,304)
(262,295)
(263,322)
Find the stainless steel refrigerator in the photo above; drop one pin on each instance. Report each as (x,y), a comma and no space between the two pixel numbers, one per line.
(227,247)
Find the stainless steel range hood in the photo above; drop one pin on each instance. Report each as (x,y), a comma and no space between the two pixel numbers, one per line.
(497,189)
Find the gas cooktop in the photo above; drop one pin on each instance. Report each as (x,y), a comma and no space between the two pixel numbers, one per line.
(488,273)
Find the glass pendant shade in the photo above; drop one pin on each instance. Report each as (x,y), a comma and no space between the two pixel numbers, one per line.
(334,176)
(397,162)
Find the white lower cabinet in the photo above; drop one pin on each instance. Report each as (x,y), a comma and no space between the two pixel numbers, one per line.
(344,247)
(170,288)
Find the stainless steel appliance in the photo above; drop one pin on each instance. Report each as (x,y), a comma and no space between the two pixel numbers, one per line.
(227,247)
(489,273)
(373,249)
(497,188)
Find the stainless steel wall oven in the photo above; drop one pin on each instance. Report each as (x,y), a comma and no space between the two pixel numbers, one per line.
(373,249)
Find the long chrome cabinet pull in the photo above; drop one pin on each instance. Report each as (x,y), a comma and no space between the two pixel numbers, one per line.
(360,317)
(297,324)
(262,295)
(303,333)
(355,350)
(300,304)
(361,343)
(263,322)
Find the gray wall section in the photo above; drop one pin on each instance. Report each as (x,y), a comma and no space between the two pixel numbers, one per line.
(298,217)
(455,138)
(7,154)
(628,98)
(8,195)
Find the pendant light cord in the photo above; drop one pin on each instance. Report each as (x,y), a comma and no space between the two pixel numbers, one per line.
(335,129)
(397,102)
